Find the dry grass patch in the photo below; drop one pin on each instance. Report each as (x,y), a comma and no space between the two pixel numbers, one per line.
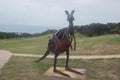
(23,68)
(100,49)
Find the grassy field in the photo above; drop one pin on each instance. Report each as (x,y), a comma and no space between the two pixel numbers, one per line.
(105,44)
(23,68)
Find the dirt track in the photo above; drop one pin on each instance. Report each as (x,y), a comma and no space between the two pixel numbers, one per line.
(72,57)
(5,55)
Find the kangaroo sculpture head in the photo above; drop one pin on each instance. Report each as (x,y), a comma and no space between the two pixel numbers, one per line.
(70,19)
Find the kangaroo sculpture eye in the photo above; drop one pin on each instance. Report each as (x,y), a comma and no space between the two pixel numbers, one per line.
(70,18)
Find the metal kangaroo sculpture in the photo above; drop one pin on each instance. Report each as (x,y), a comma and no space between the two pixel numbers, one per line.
(61,42)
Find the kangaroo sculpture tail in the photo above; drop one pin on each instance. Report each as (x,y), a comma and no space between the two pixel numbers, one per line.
(51,47)
(45,55)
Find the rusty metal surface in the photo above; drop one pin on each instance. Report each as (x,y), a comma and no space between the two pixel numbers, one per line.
(50,72)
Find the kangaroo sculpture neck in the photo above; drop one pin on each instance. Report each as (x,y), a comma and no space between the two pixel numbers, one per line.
(65,36)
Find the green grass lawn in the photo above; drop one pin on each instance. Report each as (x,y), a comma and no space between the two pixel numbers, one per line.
(23,68)
(30,45)
(105,44)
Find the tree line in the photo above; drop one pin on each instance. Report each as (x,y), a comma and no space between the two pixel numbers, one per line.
(94,29)
(8,35)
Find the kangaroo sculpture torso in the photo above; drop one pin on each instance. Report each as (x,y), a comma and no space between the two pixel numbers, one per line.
(64,37)
(61,42)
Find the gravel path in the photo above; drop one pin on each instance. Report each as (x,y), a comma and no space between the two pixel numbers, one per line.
(72,57)
(4,57)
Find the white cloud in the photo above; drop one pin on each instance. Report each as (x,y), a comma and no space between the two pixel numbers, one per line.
(51,12)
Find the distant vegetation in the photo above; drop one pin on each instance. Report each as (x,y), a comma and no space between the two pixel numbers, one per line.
(94,29)
(7,35)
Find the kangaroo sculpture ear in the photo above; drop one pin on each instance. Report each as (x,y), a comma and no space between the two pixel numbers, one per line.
(72,12)
(67,13)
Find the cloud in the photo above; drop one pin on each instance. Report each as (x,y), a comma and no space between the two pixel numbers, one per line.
(51,12)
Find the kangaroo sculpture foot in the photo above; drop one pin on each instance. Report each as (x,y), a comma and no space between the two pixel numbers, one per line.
(72,70)
(59,72)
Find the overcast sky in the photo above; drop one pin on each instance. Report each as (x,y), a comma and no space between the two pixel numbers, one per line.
(51,12)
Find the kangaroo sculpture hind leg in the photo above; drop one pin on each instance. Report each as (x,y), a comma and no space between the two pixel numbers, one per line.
(57,71)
